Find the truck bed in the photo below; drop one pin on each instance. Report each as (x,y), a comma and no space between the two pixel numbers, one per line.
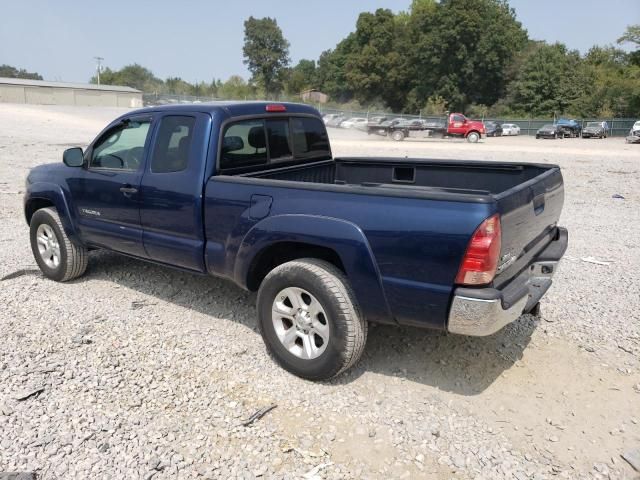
(528,197)
(412,176)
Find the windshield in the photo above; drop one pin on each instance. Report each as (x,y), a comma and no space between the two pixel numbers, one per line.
(593,124)
(548,127)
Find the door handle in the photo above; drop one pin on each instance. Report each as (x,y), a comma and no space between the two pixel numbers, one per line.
(128,190)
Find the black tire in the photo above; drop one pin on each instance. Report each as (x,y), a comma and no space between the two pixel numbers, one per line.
(72,258)
(348,330)
(473,137)
(537,137)
(398,135)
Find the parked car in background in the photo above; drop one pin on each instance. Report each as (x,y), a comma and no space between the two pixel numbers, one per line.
(377,120)
(595,130)
(636,127)
(550,131)
(570,128)
(330,116)
(510,129)
(336,121)
(493,129)
(354,122)
(634,135)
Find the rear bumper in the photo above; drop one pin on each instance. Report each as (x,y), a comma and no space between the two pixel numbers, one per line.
(484,311)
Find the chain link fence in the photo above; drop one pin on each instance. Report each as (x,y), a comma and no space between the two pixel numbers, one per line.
(152,99)
(617,127)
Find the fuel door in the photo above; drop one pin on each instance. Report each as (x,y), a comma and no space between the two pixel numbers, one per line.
(260,207)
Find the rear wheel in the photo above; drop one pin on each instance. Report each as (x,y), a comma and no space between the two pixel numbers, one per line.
(398,135)
(57,257)
(473,137)
(309,319)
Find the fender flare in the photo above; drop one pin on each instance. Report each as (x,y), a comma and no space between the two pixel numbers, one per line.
(54,194)
(343,237)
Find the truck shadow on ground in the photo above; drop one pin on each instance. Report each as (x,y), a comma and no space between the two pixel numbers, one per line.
(452,363)
(462,365)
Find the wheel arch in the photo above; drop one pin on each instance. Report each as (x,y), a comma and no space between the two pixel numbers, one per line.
(276,240)
(42,195)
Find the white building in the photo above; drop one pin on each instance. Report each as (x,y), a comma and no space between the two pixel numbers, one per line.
(18,90)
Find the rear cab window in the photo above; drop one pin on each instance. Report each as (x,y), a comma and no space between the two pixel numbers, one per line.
(249,144)
(173,144)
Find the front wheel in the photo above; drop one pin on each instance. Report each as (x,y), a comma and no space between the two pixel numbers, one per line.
(309,319)
(57,257)
(473,137)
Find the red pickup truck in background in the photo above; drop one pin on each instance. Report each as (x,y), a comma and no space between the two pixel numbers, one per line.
(454,125)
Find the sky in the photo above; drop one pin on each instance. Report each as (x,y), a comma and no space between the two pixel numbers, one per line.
(201,40)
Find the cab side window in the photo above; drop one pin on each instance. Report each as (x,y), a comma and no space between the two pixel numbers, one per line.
(173,144)
(122,148)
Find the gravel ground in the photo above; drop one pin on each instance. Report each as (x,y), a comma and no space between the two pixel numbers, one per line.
(138,371)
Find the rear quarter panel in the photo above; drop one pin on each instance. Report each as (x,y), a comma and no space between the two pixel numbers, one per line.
(416,244)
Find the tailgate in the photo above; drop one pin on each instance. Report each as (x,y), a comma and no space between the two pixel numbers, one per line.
(529,215)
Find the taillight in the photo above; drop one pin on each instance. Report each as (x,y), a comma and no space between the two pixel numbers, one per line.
(480,261)
(276,107)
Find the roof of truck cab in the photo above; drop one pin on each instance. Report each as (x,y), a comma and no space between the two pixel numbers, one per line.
(233,108)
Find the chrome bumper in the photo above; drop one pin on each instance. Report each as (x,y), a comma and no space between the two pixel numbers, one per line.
(476,316)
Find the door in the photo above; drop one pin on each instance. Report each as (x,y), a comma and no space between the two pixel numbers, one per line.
(457,124)
(107,194)
(171,190)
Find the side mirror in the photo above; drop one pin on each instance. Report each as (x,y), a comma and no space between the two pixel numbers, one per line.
(73,157)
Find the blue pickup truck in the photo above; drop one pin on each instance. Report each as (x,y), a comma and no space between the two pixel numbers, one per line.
(250,192)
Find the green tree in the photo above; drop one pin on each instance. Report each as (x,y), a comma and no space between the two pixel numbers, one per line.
(551,80)
(462,50)
(134,76)
(435,105)
(8,71)
(615,90)
(178,86)
(375,67)
(331,70)
(632,35)
(266,53)
(235,88)
(302,77)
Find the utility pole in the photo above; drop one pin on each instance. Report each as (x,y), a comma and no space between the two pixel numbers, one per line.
(98,66)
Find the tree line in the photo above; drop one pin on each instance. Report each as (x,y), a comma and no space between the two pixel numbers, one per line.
(9,71)
(472,56)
